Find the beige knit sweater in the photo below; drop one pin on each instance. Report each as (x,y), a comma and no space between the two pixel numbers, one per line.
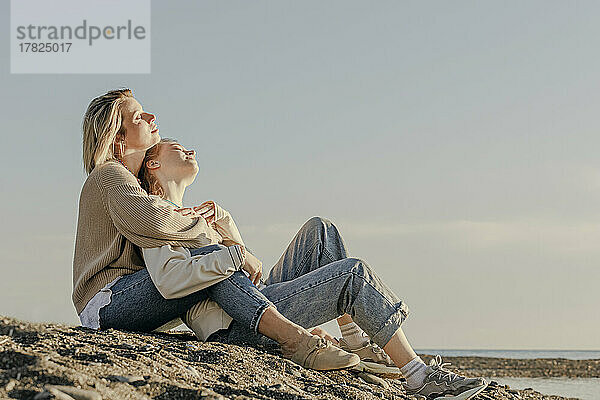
(116,218)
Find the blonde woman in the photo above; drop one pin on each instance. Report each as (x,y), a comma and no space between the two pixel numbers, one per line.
(111,285)
(313,282)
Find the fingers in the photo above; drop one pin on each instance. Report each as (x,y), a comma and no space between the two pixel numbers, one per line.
(207,210)
(252,277)
(185,211)
(257,280)
(255,276)
(319,332)
(324,334)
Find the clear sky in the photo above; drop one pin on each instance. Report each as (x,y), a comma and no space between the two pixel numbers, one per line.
(454,144)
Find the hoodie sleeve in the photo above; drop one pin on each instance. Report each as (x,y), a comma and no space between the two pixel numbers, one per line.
(176,273)
(225,225)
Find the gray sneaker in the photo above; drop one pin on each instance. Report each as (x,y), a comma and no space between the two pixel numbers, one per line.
(443,384)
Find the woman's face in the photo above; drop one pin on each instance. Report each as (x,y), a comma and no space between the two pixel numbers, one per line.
(141,131)
(176,162)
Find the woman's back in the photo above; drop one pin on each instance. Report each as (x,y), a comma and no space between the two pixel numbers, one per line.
(98,243)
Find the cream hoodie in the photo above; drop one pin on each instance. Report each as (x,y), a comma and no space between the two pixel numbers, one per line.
(176,273)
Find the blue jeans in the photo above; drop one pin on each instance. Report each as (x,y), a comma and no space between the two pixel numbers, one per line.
(137,305)
(313,282)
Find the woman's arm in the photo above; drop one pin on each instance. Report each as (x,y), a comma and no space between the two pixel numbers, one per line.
(145,220)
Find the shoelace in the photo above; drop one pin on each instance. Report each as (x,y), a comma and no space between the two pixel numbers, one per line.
(321,344)
(438,367)
(376,349)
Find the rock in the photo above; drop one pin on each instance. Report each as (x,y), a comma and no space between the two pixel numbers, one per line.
(76,393)
(170,369)
(43,395)
(192,371)
(49,392)
(10,385)
(148,348)
(131,379)
(369,378)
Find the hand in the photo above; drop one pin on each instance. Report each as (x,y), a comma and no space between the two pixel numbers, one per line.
(324,334)
(187,212)
(253,266)
(207,210)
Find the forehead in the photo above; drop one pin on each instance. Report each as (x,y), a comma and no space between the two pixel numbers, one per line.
(171,146)
(131,105)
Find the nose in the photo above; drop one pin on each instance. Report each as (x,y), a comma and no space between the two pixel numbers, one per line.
(150,117)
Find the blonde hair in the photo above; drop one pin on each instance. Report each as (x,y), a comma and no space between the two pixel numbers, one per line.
(102,123)
(147,179)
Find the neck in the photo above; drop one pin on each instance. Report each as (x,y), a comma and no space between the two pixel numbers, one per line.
(173,190)
(133,160)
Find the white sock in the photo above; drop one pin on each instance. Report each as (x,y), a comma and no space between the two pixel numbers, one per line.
(354,336)
(415,372)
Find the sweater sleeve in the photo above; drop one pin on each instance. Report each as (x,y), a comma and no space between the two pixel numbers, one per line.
(145,220)
(176,273)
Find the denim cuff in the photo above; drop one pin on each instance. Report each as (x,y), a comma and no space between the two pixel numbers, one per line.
(258,315)
(392,324)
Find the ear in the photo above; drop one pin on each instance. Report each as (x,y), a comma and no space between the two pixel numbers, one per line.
(152,164)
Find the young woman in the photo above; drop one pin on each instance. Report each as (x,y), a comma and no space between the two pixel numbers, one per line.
(313,282)
(111,286)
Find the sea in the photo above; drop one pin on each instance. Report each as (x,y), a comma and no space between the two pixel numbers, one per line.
(581,388)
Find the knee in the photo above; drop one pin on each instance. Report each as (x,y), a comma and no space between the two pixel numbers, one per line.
(317,223)
(358,266)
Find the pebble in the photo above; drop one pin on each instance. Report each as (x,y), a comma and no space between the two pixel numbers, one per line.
(296,388)
(52,393)
(43,395)
(129,378)
(210,395)
(193,371)
(75,393)
(369,378)
(10,385)
(149,348)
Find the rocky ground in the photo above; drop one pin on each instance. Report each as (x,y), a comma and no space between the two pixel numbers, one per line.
(535,368)
(45,361)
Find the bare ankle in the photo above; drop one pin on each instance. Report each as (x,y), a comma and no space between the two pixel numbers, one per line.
(277,327)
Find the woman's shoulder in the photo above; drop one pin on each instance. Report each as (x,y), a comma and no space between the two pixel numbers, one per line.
(109,167)
(112,173)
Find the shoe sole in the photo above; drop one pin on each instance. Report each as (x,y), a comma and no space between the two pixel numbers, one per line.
(469,394)
(350,364)
(375,368)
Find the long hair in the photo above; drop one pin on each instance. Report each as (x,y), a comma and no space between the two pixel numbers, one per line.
(102,123)
(147,179)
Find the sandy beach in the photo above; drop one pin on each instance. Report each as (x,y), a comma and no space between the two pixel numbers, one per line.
(44,361)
